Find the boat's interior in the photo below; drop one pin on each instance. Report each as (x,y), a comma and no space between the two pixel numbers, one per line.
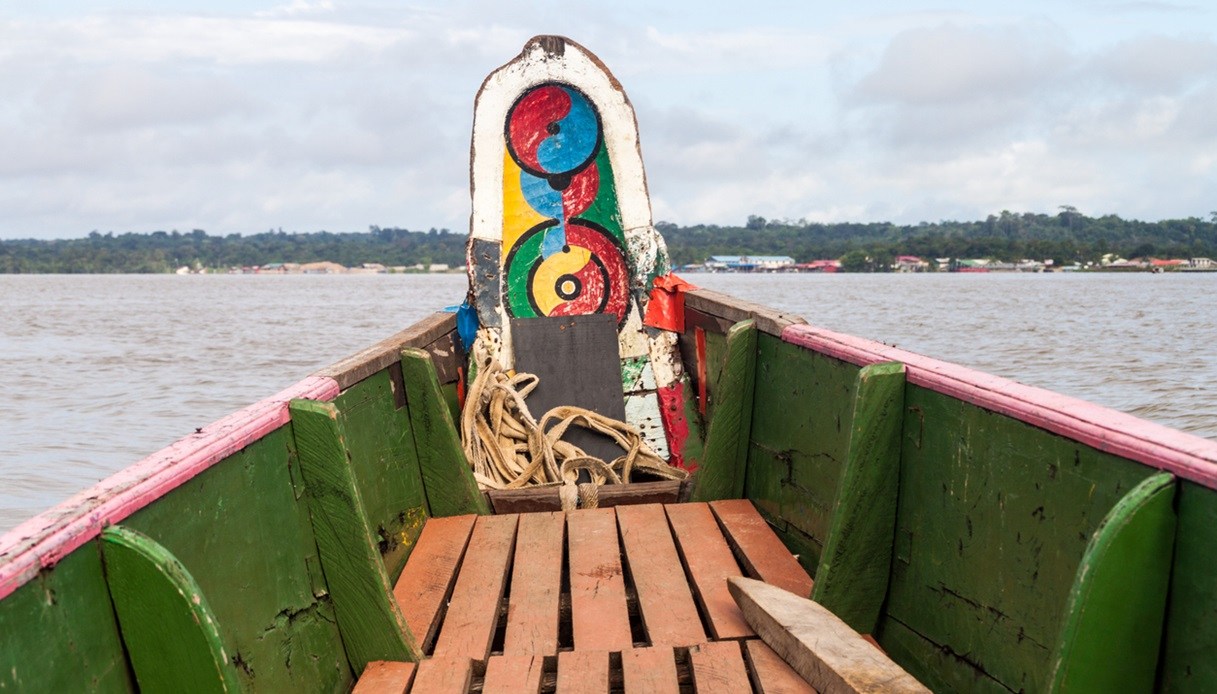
(978,534)
(979,551)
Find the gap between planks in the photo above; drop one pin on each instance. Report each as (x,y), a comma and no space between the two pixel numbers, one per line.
(634,578)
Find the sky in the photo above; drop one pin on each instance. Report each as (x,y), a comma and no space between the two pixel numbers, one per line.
(238,117)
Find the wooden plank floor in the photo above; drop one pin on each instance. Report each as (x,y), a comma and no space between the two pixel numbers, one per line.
(632,598)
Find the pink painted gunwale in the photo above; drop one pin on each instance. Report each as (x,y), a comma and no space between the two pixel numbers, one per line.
(1188,456)
(43,540)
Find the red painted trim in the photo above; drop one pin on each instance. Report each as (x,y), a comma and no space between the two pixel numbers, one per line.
(675,425)
(45,539)
(699,341)
(1105,429)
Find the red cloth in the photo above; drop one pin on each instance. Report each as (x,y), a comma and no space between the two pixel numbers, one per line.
(666,308)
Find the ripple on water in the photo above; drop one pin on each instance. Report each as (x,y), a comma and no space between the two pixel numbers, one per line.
(100,371)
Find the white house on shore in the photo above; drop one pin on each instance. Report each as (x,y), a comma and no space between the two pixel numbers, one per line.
(749,263)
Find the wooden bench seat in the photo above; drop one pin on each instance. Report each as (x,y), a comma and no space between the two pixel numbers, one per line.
(632,598)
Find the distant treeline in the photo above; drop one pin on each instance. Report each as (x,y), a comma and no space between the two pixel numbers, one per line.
(162,251)
(1067,237)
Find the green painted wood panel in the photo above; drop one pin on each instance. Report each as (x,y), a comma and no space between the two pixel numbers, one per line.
(1113,622)
(994,518)
(721,474)
(852,576)
(380,442)
(447,478)
(242,530)
(1188,662)
(716,361)
(58,632)
(170,633)
(802,410)
(369,619)
(940,669)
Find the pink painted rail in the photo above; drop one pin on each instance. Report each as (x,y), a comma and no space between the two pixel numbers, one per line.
(1185,455)
(46,538)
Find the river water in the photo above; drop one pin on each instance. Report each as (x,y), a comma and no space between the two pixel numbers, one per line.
(99,371)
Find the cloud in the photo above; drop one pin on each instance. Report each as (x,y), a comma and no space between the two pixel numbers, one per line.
(329,115)
(1157,64)
(298,8)
(952,65)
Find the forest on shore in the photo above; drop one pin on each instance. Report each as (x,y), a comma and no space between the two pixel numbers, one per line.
(1067,237)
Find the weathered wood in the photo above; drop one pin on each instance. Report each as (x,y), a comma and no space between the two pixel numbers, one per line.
(532,610)
(599,614)
(530,500)
(384,462)
(513,674)
(1113,625)
(718,668)
(757,547)
(444,675)
(855,567)
(583,672)
(703,371)
(268,538)
(709,562)
(999,493)
(709,323)
(1186,455)
(768,320)
(447,356)
(649,670)
(447,477)
(721,474)
(369,620)
(364,363)
(668,613)
(426,583)
(473,611)
(170,633)
(385,677)
(40,542)
(833,658)
(71,643)
(574,231)
(1191,621)
(799,441)
(770,674)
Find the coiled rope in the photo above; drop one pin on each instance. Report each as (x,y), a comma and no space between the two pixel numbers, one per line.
(509,449)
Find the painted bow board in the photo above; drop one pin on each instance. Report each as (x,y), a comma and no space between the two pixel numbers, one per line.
(561,221)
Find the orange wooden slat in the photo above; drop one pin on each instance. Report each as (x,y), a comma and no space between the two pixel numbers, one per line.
(512,674)
(385,677)
(771,674)
(473,612)
(763,554)
(427,580)
(718,666)
(583,672)
(649,670)
(667,608)
(600,618)
(709,562)
(536,585)
(443,676)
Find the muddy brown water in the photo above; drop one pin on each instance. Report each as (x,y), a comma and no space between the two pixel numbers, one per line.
(100,371)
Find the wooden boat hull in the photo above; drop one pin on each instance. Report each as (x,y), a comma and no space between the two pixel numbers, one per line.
(1028,531)
(987,535)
